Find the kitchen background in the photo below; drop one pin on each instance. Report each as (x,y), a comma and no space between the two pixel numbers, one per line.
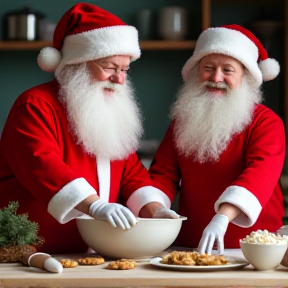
(157,74)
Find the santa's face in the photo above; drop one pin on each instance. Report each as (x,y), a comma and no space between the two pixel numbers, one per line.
(103,115)
(216,69)
(112,68)
(204,122)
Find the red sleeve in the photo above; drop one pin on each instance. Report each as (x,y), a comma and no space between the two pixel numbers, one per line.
(164,170)
(34,150)
(265,155)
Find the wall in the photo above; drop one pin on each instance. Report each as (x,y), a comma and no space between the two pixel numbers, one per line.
(156,75)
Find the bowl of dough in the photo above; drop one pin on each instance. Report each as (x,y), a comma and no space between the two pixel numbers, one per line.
(264,250)
(147,238)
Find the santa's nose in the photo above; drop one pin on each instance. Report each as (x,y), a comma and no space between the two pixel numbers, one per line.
(217,76)
(118,78)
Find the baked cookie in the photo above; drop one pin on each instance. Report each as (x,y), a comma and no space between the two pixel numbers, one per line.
(122,264)
(207,260)
(68,263)
(193,259)
(180,258)
(96,260)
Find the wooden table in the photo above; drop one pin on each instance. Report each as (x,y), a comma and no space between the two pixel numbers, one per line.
(144,275)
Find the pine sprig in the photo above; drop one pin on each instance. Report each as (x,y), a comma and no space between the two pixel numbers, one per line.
(17,229)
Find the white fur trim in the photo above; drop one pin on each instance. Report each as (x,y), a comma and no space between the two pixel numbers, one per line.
(99,43)
(103,172)
(143,196)
(62,204)
(245,201)
(228,42)
(49,59)
(270,68)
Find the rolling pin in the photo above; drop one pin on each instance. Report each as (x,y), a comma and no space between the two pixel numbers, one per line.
(43,261)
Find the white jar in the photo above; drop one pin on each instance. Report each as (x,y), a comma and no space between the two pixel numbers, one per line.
(173,23)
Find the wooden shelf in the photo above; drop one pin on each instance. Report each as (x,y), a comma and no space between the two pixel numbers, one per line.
(23,45)
(167,45)
(145,45)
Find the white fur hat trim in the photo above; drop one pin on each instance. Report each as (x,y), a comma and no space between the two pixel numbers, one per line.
(235,44)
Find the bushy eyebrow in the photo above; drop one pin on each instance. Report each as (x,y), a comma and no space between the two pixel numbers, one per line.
(105,62)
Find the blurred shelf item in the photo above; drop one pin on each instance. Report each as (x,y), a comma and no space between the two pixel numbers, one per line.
(284,181)
(145,45)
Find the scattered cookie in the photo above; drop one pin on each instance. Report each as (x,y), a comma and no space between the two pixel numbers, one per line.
(122,264)
(91,260)
(68,263)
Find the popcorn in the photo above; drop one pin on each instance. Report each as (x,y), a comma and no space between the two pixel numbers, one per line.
(265,237)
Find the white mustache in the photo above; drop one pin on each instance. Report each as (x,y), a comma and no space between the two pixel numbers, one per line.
(219,85)
(109,85)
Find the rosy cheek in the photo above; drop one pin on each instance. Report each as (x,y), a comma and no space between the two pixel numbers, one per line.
(205,76)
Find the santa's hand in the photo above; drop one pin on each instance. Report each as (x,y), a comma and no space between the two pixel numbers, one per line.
(165,213)
(117,215)
(215,230)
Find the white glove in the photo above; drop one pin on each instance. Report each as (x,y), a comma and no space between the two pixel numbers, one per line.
(215,230)
(165,213)
(117,215)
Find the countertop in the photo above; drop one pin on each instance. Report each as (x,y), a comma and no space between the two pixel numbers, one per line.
(143,275)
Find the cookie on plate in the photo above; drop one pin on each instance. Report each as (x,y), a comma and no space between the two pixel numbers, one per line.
(122,264)
(96,260)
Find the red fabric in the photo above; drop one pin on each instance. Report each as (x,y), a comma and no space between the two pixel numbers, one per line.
(253,160)
(38,156)
(261,50)
(83,17)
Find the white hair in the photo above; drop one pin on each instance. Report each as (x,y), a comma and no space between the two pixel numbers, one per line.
(106,125)
(205,123)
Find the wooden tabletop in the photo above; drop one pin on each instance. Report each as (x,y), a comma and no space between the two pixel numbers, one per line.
(144,275)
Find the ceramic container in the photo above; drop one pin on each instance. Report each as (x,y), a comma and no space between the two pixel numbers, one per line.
(144,23)
(263,256)
(147,238)
(172,23)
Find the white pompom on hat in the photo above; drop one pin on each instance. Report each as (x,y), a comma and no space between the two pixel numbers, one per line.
(86,32)
(239,43)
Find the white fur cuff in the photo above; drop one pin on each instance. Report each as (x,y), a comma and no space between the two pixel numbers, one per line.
(61,206)
(245,201)
(145,195)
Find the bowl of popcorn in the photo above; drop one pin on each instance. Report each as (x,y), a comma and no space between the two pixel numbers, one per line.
(264,250)
(147,238)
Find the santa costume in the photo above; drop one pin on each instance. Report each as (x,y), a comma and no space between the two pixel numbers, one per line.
(247,172)
(42,166)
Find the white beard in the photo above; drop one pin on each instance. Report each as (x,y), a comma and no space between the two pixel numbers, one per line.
(205,123)
(106,125)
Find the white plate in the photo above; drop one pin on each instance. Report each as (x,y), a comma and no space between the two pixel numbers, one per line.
(233,263)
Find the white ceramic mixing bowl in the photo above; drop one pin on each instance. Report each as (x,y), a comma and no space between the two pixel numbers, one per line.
(147,238)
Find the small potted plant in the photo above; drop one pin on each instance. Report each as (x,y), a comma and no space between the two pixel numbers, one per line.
(18,235)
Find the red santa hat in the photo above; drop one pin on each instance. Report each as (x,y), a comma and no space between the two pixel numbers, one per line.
(239,43)
(87,32)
